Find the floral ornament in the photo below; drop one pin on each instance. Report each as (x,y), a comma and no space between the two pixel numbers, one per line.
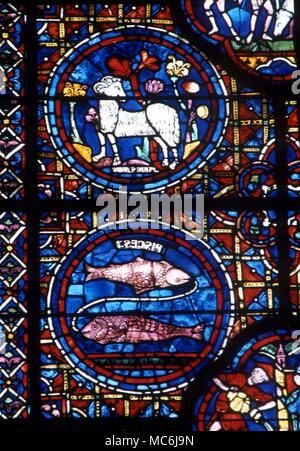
(123,67)
(74,90)
(45,189)
(119,67)
(154,86)
(148,62)
(177,68)
(51,410)
(92,116)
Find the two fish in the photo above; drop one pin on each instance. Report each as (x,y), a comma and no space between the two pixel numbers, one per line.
(135,329)
(143,275)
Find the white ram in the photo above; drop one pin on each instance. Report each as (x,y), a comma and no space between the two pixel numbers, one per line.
(157,120)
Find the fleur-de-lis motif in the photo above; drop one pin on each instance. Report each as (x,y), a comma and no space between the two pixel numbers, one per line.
(74,90)
(177,68)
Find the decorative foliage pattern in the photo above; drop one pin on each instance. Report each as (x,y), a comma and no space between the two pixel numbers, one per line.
(13,322)
(13,367)
(11,50)
(12,147)
(13,263)
(12,150)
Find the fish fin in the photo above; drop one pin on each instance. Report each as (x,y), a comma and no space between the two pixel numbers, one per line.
(140,290)
(197,332)
(91,272)
(167,266)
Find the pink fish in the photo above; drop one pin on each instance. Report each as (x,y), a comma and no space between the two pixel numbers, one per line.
(135,329)
(142,274)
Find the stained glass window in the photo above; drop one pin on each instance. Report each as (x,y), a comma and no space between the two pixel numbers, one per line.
(150,326)
(13,316)
(12,146)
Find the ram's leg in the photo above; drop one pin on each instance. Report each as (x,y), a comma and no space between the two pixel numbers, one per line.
(115,150)
(102,153)
(164,149)
(175,161)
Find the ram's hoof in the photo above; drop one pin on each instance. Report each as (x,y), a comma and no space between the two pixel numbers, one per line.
(173,165)
(117,161)
(97,158)
(214,30)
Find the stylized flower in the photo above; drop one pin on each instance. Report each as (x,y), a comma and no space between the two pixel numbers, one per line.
(51,410)
(92,116)
(154,86)
(119,67)
(46,189)
(124,68)
(74,90)
(148,62)
(177,68)
(191,87)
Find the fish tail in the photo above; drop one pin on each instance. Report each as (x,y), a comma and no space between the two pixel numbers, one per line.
(197,332)
(93,273)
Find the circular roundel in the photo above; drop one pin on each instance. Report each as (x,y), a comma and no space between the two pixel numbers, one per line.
(253,33)
(294,177)
(258,228)
(257,180)
(265,372)
(140,312)
(135,107)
